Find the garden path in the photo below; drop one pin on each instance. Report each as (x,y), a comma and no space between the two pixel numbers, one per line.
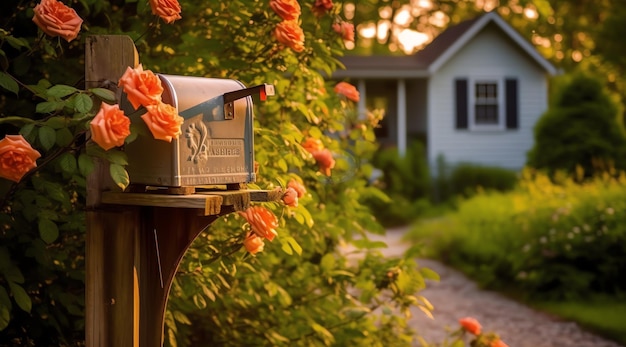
(455,296)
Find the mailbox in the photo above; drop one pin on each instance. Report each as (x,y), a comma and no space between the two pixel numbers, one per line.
(216,145)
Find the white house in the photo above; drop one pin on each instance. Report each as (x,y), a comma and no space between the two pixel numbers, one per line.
(473,94)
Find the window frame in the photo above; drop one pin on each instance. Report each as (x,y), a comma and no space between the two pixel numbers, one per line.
(500,103)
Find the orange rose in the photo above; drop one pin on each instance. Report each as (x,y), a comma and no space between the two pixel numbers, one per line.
(17,157)
(56,19)
(325,160)
(347,90)
(312,145)
(163,121)
(290,34)
(168,10)
(253,243)
(470,325)
(498,343)
(141,87)
(345,29)
(262,221)
(110,127)
(321,7)
(290,198)
(297,186)
(286,9)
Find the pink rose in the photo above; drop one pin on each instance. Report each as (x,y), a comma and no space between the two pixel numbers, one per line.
(163,121)
(17,157)
(347,90)
(345,29)
(253,243)
(142,88)
(498,343)
(312,144)
(56,19)
(262,221)
(290,198)
(322,7)
(110,127)
(290,34)
(168,10)
(298,187)
(286,9)
(325,160)
(470,325)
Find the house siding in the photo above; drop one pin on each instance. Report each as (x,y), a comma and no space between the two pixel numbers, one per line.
(489,54)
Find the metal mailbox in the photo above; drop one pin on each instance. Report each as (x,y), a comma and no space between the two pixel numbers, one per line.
(216,145)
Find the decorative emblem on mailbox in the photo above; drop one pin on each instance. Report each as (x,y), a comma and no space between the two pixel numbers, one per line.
(217,145)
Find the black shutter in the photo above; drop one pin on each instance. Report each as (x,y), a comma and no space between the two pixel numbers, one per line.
(461,103)
(510,92)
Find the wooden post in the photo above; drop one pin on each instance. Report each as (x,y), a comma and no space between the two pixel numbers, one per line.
(135,241)
(112,310)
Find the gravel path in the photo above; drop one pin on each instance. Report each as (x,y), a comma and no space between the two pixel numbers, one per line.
(455,296)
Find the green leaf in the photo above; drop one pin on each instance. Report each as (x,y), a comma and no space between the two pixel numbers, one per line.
(294,244)
(21,297)
(328,262)
(13,274)
(286,248)
(5,308)
(60,91)
(83,103)
(56,122)
(49,106)
(48,230)
(199,301)
(64,137)
(67,163)
(27,130)
(8,83)
(429,274)
(369,244)
(47,137)
(116,157)
(17,43)
(85,164)
(119,175)
(458,343)
(544,8)
(56,192)
(104,94)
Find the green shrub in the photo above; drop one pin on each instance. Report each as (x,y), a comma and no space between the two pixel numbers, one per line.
(544,239)
(467,179)
(406,180)
(581,128)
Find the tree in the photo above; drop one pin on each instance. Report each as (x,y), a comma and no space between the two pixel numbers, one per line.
(580,128)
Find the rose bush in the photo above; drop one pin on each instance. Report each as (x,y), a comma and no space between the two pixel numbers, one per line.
(302,289)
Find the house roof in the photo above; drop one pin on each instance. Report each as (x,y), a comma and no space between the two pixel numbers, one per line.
(427,61)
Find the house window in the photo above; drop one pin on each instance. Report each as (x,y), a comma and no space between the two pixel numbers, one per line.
(486,103)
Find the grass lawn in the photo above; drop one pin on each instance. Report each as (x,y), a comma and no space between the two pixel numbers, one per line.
(604,316)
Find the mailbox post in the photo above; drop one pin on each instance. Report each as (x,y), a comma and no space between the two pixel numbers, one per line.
(135,241)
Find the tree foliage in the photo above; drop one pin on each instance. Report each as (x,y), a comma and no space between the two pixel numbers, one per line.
(321,281)
(580,129)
